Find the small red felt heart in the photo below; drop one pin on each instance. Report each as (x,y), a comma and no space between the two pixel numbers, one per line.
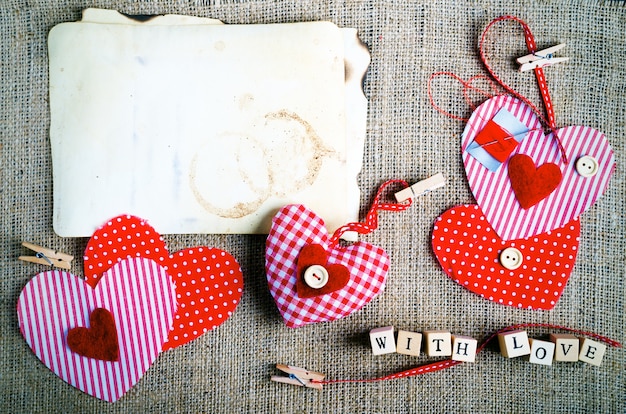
(99,341)
(468,250)
(315,254)
(532,184)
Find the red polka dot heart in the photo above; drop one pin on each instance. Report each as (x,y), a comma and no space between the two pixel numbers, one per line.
(473,255)
(209,281)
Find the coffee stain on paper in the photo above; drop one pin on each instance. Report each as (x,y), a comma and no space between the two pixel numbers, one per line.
(288,155)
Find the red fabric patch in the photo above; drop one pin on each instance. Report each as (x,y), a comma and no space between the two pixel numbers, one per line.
(531,184)
(468,250)
(99,341)
(209,281)
(496,141)
(315,254)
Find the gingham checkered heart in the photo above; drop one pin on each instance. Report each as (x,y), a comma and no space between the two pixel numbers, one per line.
(295,227)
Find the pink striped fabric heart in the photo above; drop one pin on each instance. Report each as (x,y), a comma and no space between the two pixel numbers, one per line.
(294,227)
(137,292)
(574,194)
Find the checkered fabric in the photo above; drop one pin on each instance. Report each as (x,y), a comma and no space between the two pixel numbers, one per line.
(294,227)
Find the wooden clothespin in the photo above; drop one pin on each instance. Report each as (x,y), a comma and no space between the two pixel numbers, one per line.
(541,58)
(298,376)
(48,257)
(421,188)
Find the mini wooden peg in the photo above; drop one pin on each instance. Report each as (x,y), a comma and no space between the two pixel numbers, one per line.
(541,58)
(47,257)
(298,376)
(421,188)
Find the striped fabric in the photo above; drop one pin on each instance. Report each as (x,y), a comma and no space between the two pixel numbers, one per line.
(138,293)
(574,195)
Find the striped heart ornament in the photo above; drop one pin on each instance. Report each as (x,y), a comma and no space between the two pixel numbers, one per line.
(138,294)
(574,194)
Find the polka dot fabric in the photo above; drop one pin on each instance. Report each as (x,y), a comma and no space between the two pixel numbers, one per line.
(209,281)
(468,250)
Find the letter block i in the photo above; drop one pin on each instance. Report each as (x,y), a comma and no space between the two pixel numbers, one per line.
(409,343)
(514,344)
(382,340)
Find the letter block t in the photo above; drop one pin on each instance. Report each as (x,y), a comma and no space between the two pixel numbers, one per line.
(438,343)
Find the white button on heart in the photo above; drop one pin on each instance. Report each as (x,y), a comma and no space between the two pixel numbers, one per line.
(316,276)
(587,166)
(511,258)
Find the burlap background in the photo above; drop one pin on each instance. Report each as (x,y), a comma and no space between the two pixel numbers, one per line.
(228,370)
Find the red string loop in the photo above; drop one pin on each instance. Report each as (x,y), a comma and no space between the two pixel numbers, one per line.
(550,122)
(467,86)
(371,219)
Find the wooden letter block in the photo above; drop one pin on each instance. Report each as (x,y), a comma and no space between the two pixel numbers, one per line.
(409,343)
(514,344)
(438,343)
(464,348)
(591,352)
(567,347)
(383,341)
(541,352)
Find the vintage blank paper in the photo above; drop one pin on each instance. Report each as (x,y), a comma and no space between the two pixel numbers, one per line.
(203,128)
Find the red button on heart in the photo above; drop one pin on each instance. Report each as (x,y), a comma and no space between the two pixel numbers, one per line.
(209,282)
(468,250)
(315,254)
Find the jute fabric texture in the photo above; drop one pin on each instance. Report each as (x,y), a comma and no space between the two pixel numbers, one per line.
(228,370)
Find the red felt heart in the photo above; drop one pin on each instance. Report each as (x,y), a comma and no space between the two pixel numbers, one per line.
(530,184)
(315,254)
(468,250)
(99,341)
(209,282)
